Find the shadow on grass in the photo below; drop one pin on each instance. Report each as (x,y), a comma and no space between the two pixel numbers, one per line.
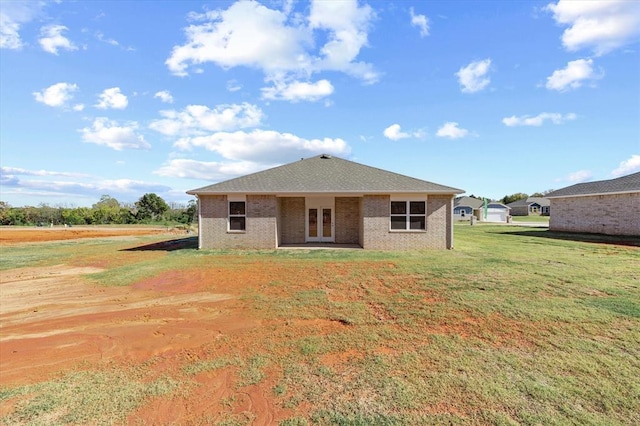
(623,240)
(189,243)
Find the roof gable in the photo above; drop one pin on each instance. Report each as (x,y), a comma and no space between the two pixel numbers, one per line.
(624,184)
(541,201)
(322,174)
(472,202)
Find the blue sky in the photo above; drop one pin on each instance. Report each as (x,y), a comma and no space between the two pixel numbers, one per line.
(125,97)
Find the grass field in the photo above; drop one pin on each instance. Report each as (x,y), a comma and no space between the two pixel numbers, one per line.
(513,326)
(532,218)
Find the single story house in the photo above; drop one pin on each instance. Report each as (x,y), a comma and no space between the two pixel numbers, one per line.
(329,200)
(465,207)
(537,206)
(602,207)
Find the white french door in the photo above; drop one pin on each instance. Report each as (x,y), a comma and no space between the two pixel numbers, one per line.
(320,219)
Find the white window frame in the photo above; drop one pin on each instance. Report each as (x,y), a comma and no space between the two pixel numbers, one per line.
(236,199)
(408,199)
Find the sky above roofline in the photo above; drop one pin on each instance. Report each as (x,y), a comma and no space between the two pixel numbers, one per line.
(495,97)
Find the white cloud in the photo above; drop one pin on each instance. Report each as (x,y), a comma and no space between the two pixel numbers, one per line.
(233,86)
(263,146)
(473,78)
(602,26)
(9,36)
(246,34)
(452,131)
(573,76)
(538,120)
(199,119)
(25,172)
(13,14)
(579,176)
(420,21)
(56,95)
(78,185)
(109,133)
(347,25)
(298,91)
(103,39)
(252,35)
(51,39)
(78,107)
(207,170)
(112,98)
(626,167)
(164,96)
(393,132)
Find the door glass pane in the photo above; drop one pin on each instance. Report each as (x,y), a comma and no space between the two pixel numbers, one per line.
(326,222)
(313,222)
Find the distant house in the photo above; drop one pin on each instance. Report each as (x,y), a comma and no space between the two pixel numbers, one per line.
(327,200)
(496,212)
(537,206)
(465,207)
(601,207)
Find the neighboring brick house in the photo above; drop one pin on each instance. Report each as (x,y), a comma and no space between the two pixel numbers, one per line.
(327,200)
(603,207)
(536,206)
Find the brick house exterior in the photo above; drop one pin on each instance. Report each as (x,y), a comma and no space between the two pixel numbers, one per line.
(603,207)
(326,200)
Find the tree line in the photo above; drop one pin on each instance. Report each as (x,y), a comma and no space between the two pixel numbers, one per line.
(150,208)
(514,197)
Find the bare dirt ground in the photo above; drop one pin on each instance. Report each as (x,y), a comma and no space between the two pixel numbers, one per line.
(53,320)
(14,235)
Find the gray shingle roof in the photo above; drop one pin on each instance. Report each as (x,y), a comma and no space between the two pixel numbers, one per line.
(541,201)
(324,174)
(629,183)
(474,203)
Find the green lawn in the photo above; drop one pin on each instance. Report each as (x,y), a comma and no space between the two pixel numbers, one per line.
(513,326)
(533,218)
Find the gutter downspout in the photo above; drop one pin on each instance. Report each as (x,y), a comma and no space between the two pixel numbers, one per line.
(199,223)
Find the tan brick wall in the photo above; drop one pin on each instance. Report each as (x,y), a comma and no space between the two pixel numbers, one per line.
(291,224)
(363,221)
(261,223)
(376,234)
(617,214)
(347,220)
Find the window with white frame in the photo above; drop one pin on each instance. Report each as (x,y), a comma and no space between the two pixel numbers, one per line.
(409,215)
(237,216)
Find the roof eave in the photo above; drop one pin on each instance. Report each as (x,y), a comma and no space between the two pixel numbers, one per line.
(593,194)
(453,191)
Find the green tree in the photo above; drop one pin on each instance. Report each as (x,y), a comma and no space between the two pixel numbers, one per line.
(151,206)
(514,197)
(106,210)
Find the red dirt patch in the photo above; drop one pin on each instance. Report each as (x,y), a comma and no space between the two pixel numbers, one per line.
(51,319)
(30,235)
